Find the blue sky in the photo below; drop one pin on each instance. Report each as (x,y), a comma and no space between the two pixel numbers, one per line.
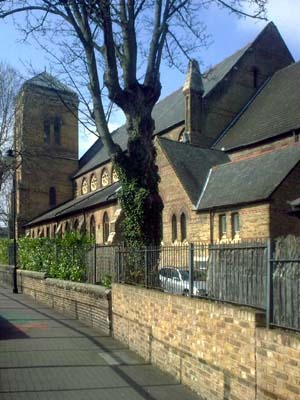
(229,33)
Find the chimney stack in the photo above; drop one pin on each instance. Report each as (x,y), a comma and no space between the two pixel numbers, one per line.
(193,91)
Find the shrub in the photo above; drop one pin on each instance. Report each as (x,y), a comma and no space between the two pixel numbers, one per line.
(4,244)
(62,258)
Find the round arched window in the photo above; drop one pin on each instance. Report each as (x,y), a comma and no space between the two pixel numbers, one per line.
(84,186)
(114,175)
(105,227)
(104,177)
(92,227)
(93,183)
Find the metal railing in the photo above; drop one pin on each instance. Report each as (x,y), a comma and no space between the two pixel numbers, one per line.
(229,272)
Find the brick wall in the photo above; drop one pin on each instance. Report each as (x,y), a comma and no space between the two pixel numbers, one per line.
(219,350)
(206,345)
(88,303)
(282,223)
(259,149)
(278,359)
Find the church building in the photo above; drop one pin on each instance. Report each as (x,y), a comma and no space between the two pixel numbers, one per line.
(227,150)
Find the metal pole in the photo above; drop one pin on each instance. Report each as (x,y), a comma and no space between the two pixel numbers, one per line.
(269,300)
(191,269)
(95,263)
(15,283)
(146,266)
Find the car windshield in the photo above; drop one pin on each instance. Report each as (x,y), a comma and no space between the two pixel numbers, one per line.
(185,275)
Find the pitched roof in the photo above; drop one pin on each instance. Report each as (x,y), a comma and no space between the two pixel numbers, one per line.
(249,180)
(48,81)
(101,196)
(191,164)
(274,111)
(168,112)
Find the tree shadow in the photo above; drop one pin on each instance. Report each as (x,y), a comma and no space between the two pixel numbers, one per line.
(10,331)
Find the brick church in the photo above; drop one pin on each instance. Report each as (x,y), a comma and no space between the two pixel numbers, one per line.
(227,144)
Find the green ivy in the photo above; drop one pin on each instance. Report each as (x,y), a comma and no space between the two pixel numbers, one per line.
(61,258)
(4,244)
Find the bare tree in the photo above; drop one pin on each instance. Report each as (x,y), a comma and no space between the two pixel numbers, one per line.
(9,86)
(125,41)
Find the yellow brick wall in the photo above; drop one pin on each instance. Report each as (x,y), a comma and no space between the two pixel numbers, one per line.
(205,345)
(88,303)
(219,350)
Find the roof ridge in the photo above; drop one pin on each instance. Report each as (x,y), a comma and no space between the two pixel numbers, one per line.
(266,152)
(188,144)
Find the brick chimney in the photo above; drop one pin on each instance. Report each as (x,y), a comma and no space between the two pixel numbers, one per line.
(193,91)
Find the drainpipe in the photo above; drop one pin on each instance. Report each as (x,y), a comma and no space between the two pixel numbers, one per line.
(211,226)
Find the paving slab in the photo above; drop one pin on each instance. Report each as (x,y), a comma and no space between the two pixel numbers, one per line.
(45,355)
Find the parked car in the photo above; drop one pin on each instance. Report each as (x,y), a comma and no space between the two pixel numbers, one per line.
(176,280)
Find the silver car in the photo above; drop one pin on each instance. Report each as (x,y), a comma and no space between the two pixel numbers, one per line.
(176,280)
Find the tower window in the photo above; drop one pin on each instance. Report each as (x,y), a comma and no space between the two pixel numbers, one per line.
(105,227)
(57,125)
(183,226)
(174,228)
(46,131)
(52,197)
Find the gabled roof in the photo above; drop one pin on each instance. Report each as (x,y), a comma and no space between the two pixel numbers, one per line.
(101,196)
(274,111)
(191,164)
(45,80)
(167,113)
(250,180)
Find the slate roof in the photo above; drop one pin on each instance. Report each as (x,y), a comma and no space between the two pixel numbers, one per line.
(274,111)
(191,164)
(48,81)
(167,113)
(249,180)
(101,196)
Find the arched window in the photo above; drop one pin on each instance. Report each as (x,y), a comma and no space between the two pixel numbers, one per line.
(104,177)
(54,230)
(75,225)
(92,227)
(84,186)
(32,233)
(93,183)
(174,228)
(114,175)
(105,227)
(48,232)
(57,125)
(46,130)
(183,226)
(67,227)
(52,197)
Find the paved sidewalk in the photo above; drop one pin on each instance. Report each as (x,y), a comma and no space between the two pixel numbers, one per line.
(46,355)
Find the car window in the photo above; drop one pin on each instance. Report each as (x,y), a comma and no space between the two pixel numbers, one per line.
(175,274)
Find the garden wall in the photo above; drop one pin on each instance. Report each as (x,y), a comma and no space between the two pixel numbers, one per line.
(219,350)
(88,303)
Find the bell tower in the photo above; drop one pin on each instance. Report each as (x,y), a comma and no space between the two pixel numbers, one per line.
(46,143)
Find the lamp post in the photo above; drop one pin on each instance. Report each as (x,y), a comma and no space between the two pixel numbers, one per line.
(11,161)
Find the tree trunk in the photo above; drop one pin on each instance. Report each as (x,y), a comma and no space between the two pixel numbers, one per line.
(140,200)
